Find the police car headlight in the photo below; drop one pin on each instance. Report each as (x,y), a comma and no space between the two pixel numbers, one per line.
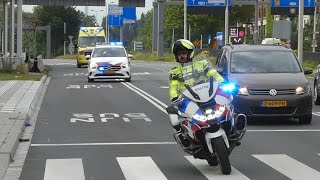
(303,89)
(93,66)
(125,65)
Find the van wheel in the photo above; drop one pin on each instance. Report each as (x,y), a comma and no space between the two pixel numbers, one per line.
(306,119)
(316,97)
(78,65)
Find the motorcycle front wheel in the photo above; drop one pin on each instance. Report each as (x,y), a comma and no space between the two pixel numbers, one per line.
(222,154)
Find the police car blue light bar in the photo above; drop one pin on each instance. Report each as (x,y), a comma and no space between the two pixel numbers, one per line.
(116,43)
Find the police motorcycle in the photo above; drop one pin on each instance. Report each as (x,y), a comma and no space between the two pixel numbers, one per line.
(210,129)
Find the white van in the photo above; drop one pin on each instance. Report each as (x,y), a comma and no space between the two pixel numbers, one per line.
(274,41)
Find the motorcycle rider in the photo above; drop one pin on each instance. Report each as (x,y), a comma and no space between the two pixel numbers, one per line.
(184,51)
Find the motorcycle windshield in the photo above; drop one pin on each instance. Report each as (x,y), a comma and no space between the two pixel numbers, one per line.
(197,85)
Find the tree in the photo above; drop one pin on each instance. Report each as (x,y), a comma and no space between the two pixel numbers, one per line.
(144,30)
(56,17)
(200,24)
(269,23)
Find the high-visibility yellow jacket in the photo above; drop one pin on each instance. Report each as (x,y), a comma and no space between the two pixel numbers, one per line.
(176,79)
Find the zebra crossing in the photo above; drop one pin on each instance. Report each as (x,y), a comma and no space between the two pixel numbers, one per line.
(145,168)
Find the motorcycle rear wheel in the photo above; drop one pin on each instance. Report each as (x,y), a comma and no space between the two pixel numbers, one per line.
(222,155)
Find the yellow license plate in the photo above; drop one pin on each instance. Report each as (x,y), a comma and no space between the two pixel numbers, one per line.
(109,72)
(274,103)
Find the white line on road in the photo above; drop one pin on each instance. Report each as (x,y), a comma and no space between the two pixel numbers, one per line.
(214,173)
(288,166)
(316,113)
(106,144)
(142,168)
(147,94)
(147,98)
(64,169)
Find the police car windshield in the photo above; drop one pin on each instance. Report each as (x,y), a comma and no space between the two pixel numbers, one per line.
(90,41)
(109,52)
(264,62)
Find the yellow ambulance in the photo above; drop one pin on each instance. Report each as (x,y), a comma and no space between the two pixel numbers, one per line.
(87,40)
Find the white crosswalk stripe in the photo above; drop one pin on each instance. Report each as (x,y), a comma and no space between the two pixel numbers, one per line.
(214,173)
(64,169)
(142,168)
(289,167)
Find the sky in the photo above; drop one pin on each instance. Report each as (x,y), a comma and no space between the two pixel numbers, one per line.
(100,11)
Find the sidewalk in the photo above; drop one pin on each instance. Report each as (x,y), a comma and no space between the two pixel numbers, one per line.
(17,103)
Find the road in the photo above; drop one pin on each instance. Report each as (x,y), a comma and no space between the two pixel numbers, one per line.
(114,130)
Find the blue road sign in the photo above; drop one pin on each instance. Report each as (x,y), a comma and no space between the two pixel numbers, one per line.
(220,38)
(208,3)
(115,20)
(122,16)
(129,16)
(291,3)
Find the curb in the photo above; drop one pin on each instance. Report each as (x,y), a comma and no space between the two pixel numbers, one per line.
(26,109)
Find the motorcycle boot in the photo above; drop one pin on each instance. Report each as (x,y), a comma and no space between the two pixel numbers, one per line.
(240,123)
(240,127)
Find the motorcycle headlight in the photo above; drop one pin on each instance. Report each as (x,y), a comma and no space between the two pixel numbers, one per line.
(209,111)
(199,117)
(243,91)
(93,65)
(303,89)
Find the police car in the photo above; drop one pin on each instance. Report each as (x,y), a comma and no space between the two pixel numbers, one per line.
(109,61)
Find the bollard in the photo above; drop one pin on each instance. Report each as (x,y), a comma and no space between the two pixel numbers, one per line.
(35,66)
(27,58)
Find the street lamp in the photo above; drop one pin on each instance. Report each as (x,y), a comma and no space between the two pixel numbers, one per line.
(97,13)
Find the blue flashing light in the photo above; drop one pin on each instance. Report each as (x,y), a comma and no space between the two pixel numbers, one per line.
(100,68)
(116,43)
(228,87)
